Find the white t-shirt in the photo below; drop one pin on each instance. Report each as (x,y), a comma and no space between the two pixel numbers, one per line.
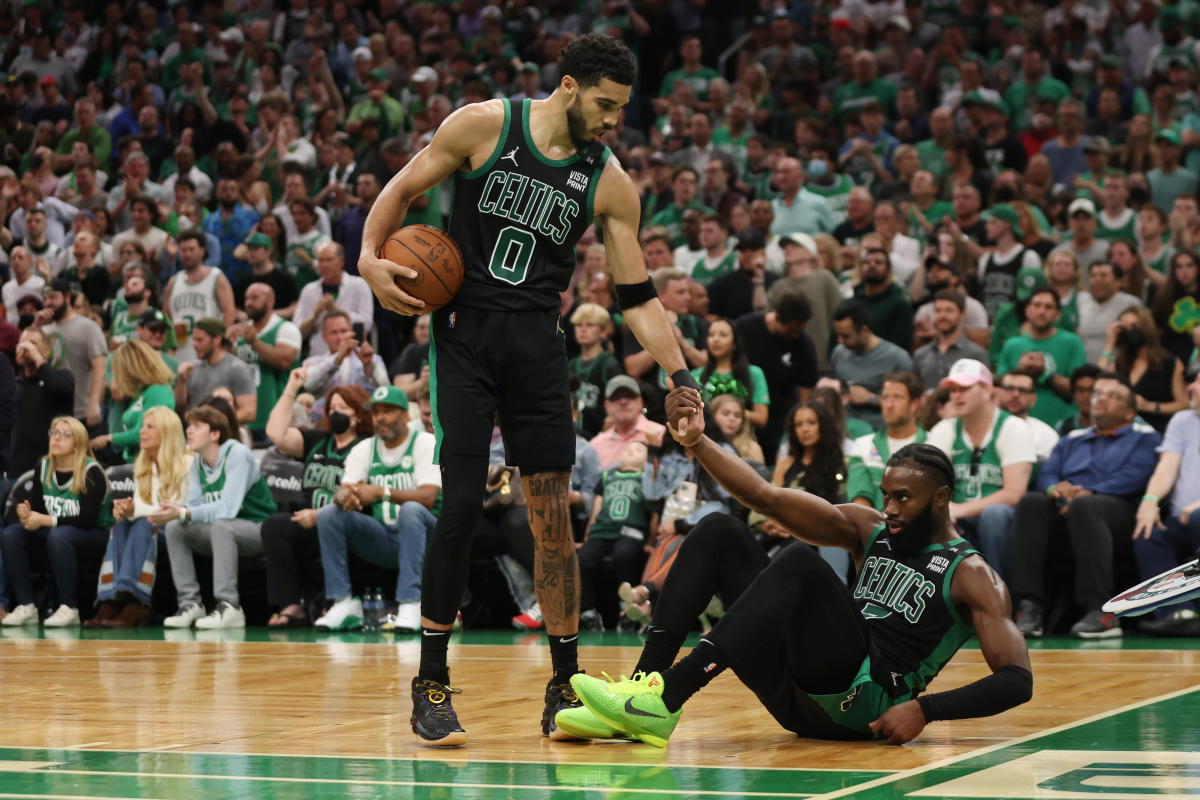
(1044,438)
(13,291)
(686,258)
(426,473)
(1014,442)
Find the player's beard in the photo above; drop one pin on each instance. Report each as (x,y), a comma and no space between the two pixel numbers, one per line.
(577,127)
(917,533)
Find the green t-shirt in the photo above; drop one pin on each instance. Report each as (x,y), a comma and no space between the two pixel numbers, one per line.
(389,113)
(721,137)
(304,271)
(698,80)
(1064,354)
(1125,231)
(1020,98)
(671,218)
(622,507)
(270,381)
(705,273)
(431,214)
(720,383)
(127,441)
(936,212)
(933,158)
(853,95)
(865,468)
(837,194)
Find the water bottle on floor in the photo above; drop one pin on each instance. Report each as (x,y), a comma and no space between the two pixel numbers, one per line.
(372,602)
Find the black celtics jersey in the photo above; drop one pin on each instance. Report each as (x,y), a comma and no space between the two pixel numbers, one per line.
(518,217)
(905,599)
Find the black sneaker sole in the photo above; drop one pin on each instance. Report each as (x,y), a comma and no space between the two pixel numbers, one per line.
(452,739)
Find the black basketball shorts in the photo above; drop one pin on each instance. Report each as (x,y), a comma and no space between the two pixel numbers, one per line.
(486,365)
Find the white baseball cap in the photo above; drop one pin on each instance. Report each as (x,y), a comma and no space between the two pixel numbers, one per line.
(967,372)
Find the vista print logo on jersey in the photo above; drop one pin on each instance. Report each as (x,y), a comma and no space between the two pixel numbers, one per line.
(578,181)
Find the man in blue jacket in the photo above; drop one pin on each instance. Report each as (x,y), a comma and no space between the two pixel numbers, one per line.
(1088,489)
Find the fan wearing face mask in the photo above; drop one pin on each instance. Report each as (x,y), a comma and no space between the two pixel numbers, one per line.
(1134,349)
(290,539)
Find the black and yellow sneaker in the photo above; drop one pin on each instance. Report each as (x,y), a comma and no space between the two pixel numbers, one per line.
(559,696)
(433,718)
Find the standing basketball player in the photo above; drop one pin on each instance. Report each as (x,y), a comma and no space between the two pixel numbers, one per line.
(530,177)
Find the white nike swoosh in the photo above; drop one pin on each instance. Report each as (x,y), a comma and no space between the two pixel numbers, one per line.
(569,639)
(434,633)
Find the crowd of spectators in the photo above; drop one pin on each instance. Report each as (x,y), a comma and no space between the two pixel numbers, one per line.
(872,223)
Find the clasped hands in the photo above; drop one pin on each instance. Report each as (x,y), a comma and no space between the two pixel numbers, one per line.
(685,414)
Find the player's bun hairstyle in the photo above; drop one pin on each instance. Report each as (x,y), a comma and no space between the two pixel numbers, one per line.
(595,56)
(928,459)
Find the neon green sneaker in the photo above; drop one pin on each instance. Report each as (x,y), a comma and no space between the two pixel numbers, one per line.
(583,724)
(631,705)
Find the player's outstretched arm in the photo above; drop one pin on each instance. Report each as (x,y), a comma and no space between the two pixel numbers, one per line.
(618,209)
(809,517)
(978,589)
(464,135)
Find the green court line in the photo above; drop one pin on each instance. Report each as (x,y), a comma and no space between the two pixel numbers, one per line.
(1159,720)
(234,776)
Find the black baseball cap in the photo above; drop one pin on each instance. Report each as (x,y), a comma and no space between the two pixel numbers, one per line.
(751,239)
(153,318)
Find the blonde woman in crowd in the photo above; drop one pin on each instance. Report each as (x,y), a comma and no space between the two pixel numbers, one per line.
(67,515)
(142,379)
(730,415)
(130,564)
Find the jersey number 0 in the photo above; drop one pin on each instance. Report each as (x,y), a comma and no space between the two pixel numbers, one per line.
(507,265)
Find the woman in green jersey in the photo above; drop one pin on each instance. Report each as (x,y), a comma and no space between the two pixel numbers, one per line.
(290,540)
(68,514)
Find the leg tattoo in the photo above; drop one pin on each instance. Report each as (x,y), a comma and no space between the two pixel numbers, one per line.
(555,565)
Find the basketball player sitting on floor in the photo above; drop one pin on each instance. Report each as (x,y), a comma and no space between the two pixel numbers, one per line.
(827,663)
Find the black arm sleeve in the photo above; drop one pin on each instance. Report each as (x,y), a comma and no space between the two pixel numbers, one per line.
(90,502)
(36,501)
(1006,687)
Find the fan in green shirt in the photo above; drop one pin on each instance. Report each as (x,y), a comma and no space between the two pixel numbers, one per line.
(693,73)
(1048,352)
(684,183)
(1033,82)
(899,400)
(140,377)
(378,105)
(866,88)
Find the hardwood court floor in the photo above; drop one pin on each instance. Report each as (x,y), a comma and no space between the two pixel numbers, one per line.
(304,715)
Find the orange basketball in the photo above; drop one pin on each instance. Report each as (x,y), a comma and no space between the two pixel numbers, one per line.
(435,257)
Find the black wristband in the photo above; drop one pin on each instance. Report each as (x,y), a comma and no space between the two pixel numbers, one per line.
(635,294)
(684,378)
(1006,687)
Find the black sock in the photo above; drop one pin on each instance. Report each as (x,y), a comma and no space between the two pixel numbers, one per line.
(433,656)
(564,656)
(660,649)
(691,674)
